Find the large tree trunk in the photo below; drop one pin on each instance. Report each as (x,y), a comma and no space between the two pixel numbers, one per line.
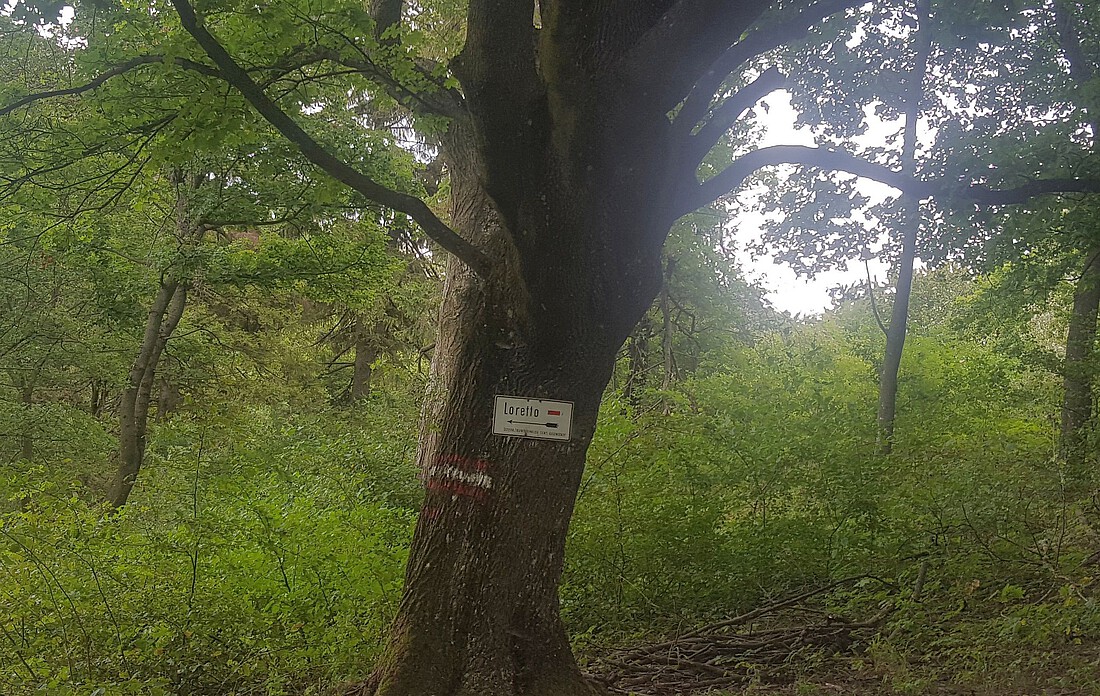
(1078,373)
(164,316)
(480,612)
(479,616)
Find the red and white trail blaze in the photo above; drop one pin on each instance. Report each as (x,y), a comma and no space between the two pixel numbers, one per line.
(462,476)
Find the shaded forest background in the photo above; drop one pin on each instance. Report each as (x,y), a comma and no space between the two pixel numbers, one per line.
(186,308)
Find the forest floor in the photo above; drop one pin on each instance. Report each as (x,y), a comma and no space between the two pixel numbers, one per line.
(1062,673)
(879,670)
(790,649)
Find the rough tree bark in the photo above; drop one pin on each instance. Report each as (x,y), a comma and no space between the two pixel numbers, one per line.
(479,614)
(910,223)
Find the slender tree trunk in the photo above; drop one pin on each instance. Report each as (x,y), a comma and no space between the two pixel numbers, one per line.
(164,316)
(168,398)
(26,439)
(366,352)
(1077,400)
(98,397)
(896,333)
(666,329)
(637,348)
(1077,376)
(910,217)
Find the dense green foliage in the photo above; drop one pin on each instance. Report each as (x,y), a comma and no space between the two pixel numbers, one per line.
(270,553)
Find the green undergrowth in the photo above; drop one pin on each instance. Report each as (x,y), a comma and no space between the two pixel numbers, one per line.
(259,556)
(263,551)
(994,637)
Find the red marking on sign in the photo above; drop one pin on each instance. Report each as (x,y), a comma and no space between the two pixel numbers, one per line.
(553,413)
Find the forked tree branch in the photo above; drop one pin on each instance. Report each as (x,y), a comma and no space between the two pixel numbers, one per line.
(691,35)
(412,206)
(755,43)
(729,111)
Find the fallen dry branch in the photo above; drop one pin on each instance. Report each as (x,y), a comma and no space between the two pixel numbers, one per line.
(727,653)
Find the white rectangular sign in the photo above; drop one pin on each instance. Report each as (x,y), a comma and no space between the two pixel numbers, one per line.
(519,416)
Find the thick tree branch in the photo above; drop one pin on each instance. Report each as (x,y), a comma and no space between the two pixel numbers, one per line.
(1069,39)
(730,111)
(594,35)
(755,43)
(743,167)
(689,37)
(983,195)
(497,69)
(1080,69)
(821,158)
(499,54)
(415,208)
(100,79)
(387,16)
